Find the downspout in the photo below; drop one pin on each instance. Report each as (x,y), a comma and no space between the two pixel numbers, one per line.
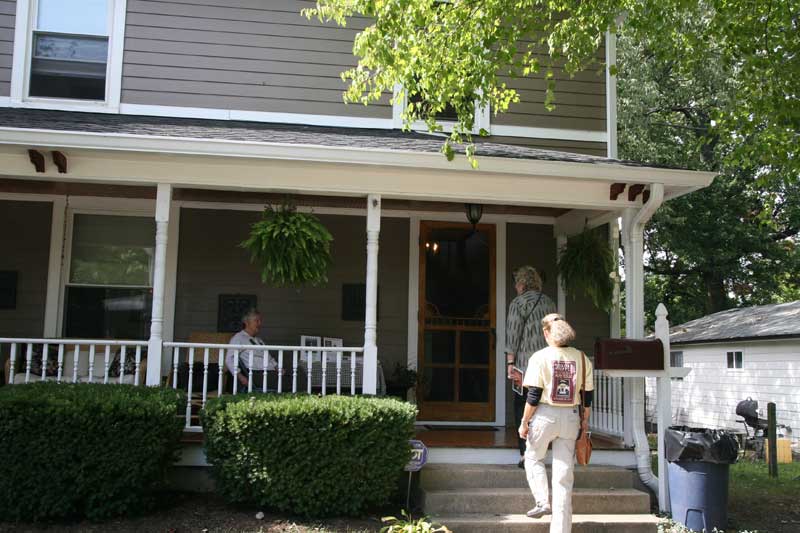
(634,258)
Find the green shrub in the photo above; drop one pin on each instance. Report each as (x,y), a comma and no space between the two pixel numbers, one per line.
(308,455)
(84,450)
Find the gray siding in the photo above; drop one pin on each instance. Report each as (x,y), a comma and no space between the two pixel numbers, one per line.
(210,264)
(244,54)
(580,101)
(8,10)
(25,241)
(534,244)
(580,147)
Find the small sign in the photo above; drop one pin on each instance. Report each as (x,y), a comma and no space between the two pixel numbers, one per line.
(419,456)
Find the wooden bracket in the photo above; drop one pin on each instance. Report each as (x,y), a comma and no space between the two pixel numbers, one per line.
(634,191)
(616,190)
(37,159)
(61,161)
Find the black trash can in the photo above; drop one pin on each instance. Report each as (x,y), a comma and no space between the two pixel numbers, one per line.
(699,460)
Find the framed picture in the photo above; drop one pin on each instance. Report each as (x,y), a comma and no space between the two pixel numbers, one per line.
(310,341)
(332,342)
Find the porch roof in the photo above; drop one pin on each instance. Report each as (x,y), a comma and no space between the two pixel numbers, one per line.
(334,161)
(271,133)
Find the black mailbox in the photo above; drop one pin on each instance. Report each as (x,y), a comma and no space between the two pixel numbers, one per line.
(628,354)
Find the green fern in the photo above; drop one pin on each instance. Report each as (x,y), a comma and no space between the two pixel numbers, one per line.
(586,265)
(292,249)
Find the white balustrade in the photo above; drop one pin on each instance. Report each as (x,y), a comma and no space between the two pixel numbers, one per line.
(74,361)
(322,367)
(607,415)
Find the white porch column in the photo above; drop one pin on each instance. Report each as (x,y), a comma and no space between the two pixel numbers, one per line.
(53,298)
(561,242)
(154,347)
(371,316)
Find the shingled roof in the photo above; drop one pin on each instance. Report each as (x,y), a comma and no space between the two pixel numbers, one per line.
(760,322)
(259,132)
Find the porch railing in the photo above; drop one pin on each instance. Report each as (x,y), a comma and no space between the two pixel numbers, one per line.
(73,360)
(202,371)
(607,408)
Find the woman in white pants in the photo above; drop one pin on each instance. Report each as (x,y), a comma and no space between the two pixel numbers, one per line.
(554,378)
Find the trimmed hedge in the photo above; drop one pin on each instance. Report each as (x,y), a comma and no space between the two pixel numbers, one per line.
(308,455)
(84,450)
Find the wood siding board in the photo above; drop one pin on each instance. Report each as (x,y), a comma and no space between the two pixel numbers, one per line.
(145,59)
(240,39)
(550,121)
(254,104)
(26,250)
(7,15)
(224,12)
(239,52)
(237,89)
(239,26)
(578,147)
(133,70)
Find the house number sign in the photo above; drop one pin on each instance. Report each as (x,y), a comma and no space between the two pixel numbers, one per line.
(419,456)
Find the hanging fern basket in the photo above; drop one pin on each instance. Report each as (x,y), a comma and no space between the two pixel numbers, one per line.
(292,249)
(586,266)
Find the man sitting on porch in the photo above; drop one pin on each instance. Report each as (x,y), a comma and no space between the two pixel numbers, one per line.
(251,325)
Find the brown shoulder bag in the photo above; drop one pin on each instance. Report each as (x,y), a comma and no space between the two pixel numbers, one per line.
(583,444)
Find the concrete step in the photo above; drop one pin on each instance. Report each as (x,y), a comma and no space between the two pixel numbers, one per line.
(458,476)
(514,500)
(581,523)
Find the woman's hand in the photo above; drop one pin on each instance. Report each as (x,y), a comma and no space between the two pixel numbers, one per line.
(523,430)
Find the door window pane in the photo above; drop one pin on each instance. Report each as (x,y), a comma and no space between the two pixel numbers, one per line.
(112,250)
(73,16)
(440,347)
(475,347)
(439,385)
(473,385)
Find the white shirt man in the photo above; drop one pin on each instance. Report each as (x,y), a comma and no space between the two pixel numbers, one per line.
(247,336)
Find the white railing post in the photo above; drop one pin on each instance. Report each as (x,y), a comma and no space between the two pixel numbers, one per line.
(369,384)
(154,346)
(663,407)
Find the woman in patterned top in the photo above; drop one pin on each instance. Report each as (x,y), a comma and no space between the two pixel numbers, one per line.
(523,331)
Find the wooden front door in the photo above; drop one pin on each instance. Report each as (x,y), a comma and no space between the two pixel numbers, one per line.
(456,322)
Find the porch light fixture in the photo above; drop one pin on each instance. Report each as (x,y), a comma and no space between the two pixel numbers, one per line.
(474,213)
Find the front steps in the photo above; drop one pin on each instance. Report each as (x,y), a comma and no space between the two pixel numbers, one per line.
(494,498)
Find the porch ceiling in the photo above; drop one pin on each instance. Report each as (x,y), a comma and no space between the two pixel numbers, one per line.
(215,154)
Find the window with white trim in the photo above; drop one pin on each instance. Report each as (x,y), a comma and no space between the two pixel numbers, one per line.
(446,118)
(108,292)
(69,49)
(735,361)
(676,361)
(69,54)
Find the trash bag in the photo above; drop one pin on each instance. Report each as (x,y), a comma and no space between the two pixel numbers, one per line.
(696,444)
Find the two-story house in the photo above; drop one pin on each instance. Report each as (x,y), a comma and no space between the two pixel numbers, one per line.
(139,139)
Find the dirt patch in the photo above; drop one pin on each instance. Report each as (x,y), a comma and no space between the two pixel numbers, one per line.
(198,513)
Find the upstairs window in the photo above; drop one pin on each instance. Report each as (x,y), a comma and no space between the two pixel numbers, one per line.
(70,49)
(735,361)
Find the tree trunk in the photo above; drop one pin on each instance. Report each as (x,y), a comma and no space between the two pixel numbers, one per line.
(716,296)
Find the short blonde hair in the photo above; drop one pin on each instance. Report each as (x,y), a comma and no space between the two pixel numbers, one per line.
(529,277)
(559,329)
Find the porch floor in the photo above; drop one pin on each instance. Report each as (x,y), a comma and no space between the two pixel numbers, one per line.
(489,438)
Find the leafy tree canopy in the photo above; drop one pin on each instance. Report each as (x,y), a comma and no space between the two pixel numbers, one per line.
(733,243)
(454,52)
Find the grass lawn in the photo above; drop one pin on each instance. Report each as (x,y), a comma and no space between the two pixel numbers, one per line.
(757,502)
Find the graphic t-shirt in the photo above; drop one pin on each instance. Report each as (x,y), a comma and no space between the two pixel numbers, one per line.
(559,372)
